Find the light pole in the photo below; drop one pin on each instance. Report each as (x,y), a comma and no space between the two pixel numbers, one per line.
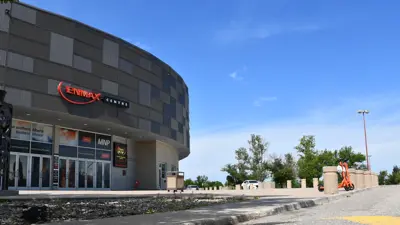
(363,112)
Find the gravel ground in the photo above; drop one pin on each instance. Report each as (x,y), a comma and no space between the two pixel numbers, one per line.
(44,211)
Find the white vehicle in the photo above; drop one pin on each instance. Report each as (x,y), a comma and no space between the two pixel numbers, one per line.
(248,183)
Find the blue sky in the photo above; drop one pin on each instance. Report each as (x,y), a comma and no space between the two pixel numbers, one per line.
(279,68)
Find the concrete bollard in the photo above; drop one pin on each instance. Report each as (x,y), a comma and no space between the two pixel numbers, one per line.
(315,182)
(359,184)
(352,173)
(273,185)
(289,184)
(237,187)
(303,183)
(330,180)
(367,179)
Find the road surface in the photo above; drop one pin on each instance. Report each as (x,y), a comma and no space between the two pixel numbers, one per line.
(377,206)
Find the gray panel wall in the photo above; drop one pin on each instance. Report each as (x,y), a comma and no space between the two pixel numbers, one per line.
(46,49)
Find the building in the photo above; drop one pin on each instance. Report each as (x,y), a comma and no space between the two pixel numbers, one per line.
(91,111)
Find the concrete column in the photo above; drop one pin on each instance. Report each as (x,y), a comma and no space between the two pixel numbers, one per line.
(374,180)
(315,182)
(303,183)
(359,179)
(330,180)
(352,173)
(289,184)
(367,179)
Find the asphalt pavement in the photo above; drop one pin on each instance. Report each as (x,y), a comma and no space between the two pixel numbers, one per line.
(378,206)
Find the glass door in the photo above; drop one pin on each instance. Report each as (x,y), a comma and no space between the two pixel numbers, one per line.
(45,164)
(67,173)
(40,172)
(85,174)
(18,173)
(103,175)
(162,181)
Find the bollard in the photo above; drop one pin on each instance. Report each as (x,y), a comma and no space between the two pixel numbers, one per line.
(273,185)
(237,187)
(303,183)
(367,179)
(330,180)
(315,182)
(352,173)
(289,184)
(359,179)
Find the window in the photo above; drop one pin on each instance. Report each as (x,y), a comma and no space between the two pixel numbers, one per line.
(82,144)
(31,137)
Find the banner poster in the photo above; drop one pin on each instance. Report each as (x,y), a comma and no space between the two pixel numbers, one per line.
(68,137)
(21,130)
(42,133)
(120,155)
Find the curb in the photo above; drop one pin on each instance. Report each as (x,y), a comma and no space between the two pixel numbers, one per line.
(274,210)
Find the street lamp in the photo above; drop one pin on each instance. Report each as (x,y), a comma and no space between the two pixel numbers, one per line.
(363,112)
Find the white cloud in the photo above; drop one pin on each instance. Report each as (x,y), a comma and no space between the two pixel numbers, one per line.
(260,101)
(243,30)
(334,127)
(236,74)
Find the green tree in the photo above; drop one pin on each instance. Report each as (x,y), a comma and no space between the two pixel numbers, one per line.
(251,162)
(308,163)
(189,182)
(382,177)
(347,154)
(201,181)
(394,177)
(283,169)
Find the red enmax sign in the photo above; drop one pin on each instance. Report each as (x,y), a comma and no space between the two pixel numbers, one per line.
(86,96)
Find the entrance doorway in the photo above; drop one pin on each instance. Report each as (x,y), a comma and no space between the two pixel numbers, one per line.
(162,180)
(28,171)
(40,172)
(103,174)
(67,173)
(18,171)
(84,174)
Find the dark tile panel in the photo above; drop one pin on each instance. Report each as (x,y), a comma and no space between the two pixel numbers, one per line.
(115,75)
(129,54)
(129,93)
(128,120)
(29,48)
(86,80)
(30,31)
(157,104)
(26,81)
(139,111)
(2,74)
(89,36)
(147,76)
(48,102)
(53,70)
(55,23)
(87,51)
(128,80)
(3,40)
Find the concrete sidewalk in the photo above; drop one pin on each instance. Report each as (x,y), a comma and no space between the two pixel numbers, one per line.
(222,214)
(54,194)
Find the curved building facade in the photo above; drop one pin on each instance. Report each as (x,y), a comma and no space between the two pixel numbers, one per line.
(91,111)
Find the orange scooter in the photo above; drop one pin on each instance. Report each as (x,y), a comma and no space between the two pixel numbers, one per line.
(346,182)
